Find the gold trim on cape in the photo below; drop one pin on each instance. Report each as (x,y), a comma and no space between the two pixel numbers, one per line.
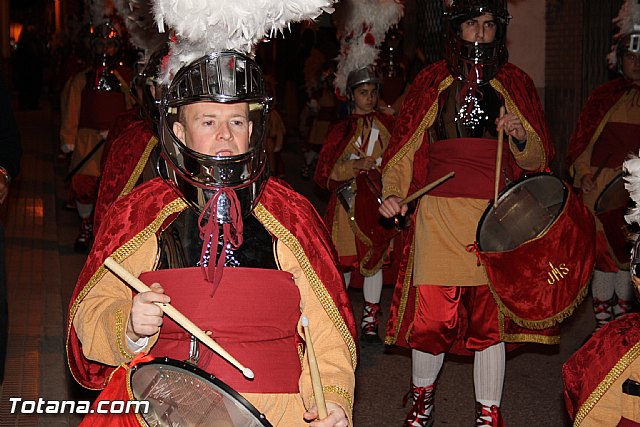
(137,171)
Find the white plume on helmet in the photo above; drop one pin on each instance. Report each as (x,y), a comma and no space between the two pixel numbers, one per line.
(139,21)
(202,26)
(365,25)
(631,167)
(628,21)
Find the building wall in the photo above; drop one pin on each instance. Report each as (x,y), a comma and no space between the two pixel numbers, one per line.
(526,38)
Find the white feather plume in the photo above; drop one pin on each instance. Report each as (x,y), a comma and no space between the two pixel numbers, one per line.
(139,20)
(202,26)
(365,25)
(631,167)
(628,21)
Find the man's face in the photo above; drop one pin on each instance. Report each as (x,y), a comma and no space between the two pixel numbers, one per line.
(215,129)
(365,98)
(631,66)
(481,29)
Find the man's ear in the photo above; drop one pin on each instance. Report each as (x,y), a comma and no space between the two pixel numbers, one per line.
(178,130)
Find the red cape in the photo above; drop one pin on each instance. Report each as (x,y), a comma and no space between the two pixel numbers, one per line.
(601,100)
(421,105)
(151,206)
(338,138)
(125,160)
(591,370)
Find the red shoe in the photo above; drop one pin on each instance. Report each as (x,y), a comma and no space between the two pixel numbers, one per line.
(369,325)
(488,415)
(421,413)
(622,307)
(603,310)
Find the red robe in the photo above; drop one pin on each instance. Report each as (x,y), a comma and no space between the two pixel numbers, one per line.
(153,205)
(420,103)
(126,156)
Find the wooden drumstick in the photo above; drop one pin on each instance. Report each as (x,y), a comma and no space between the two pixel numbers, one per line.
(316,381)
(178,317)
(498,160)
(426,189)
(363,154)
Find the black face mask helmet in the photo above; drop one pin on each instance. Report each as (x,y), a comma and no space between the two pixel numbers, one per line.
(462,56)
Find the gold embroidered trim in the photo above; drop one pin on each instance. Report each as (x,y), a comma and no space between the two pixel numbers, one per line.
(426,122)
(278,230)
(606,383)
(532,338)
(123,252)
(340,392)
(120,333)
(549,321)
(406,287)
(513,108)
(137,171)
(391,190)
(132,396)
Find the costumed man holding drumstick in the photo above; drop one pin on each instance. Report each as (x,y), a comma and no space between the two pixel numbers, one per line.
(257,254)
(606,133)
(450,121)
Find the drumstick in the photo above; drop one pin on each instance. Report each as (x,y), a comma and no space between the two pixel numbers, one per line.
(178,317)
(498,160)
(426,189)
(362,153)
(316,382)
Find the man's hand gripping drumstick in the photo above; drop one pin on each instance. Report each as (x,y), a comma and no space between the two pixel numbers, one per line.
(394,205)
(145,308)
(325,414)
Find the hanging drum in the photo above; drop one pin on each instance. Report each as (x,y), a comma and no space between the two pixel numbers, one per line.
(538,249)
(611,206)
(180,394)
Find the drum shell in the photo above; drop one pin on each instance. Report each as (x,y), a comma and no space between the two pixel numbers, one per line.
(541,282)
(345,194)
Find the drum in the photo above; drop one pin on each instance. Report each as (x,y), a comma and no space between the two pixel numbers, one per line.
(346,193)
(538,249)
(180,394)
(610,207)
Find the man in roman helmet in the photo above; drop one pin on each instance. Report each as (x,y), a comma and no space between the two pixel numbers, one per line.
(606,132)
(450,122)
(257,251)
(91,101)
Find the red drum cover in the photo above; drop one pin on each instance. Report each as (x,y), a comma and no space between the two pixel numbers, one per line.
(539,283)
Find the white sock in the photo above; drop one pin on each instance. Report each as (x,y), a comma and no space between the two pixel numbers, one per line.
(347,278)
(84,209)
(602,285)
(488,374)
(425,367)
(623,287)
(372,288)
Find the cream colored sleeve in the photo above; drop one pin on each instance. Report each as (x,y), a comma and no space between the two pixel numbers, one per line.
(396,177)
(334,358)
(582,165)
(70,109)
(532,158)
(102,316)
(343,169)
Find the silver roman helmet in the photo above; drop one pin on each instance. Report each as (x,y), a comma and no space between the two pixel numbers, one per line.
(221,77)
(465,57)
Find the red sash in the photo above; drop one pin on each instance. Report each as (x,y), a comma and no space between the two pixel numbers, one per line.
(474,162)
(253,316)
(614,144)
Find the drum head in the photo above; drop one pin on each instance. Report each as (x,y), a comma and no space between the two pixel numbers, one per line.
(614,196)
(525,210)
(180,394)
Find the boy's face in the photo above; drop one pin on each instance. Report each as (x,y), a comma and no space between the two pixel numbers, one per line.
(215,129)
(365,97)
